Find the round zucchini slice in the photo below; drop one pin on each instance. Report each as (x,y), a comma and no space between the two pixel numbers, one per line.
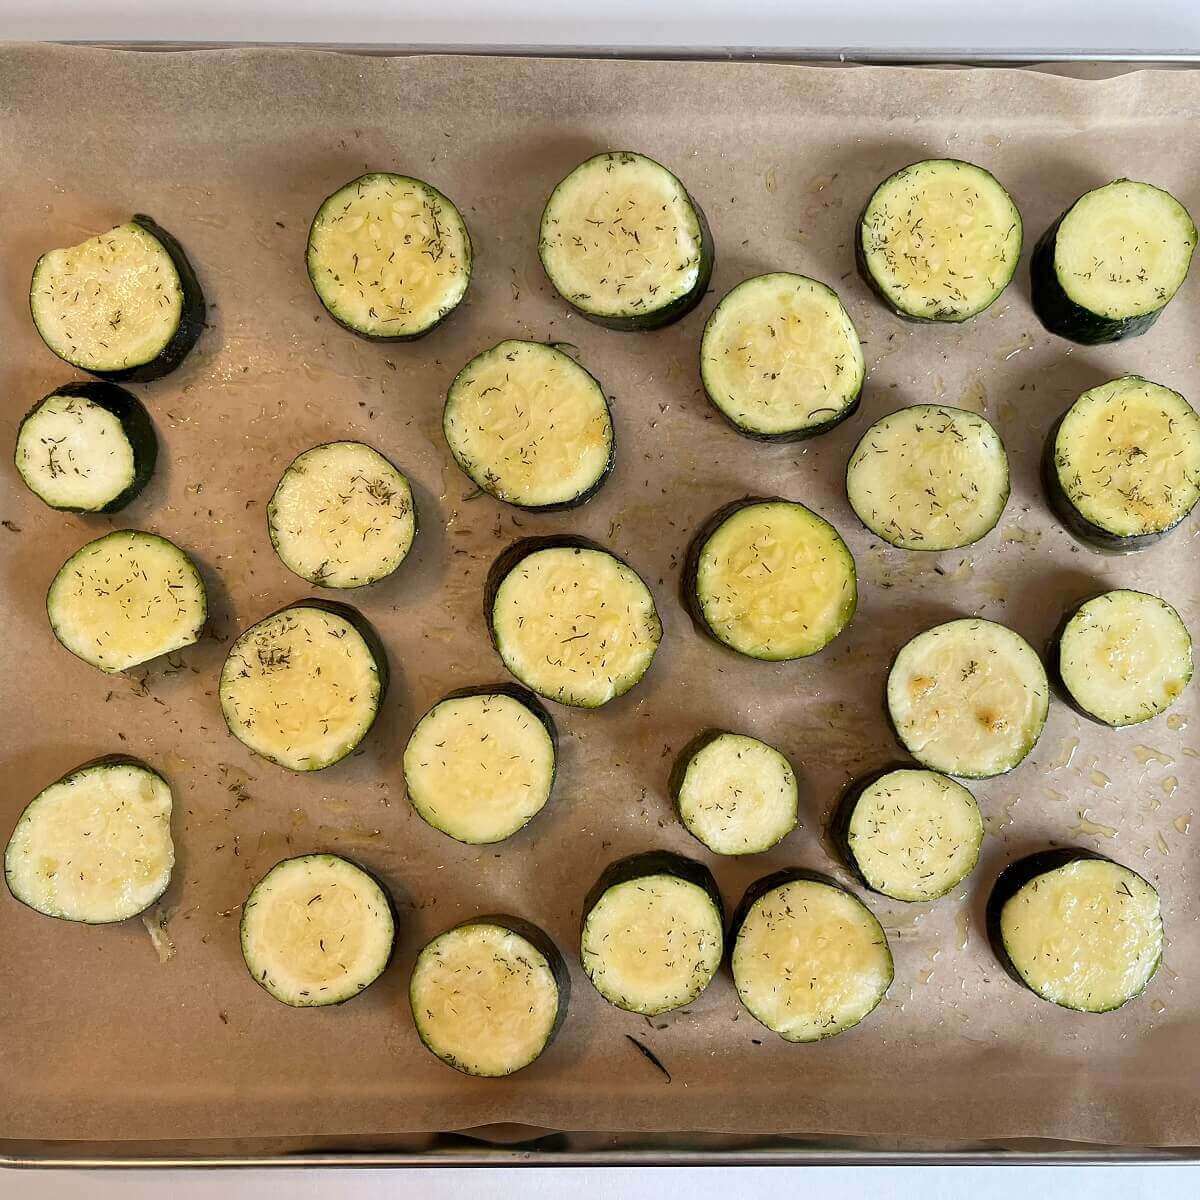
(909,834)
(1123,657)
(624,244)
(1122,466)
(735,794)
(316,930)
(1076,929)
(389,257)
(126,598)
(809,958)
(480,764)
(489,995)
(939,240)
(1112,262)
(530,426)
(342,516)
(95,847)
(653,929)
(571,621)
(780,358)
(303,686)
(929,478)
(87,447)
(771,579)
(968,698)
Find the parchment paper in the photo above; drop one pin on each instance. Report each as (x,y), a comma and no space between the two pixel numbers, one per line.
(232,151)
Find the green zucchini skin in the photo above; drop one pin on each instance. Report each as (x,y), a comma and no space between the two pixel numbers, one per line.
(652,862)
(838,828)
(688,595)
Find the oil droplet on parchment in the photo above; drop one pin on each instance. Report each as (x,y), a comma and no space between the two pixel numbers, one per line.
(1065,754)
(1090,828)
(1147,754)
(1183,822)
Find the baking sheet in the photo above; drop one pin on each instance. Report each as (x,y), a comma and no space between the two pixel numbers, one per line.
(232,151)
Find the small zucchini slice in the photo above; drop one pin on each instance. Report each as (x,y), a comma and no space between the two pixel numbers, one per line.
(1076,928)
(735,794)
(809,958)
(929,477)
(653,932)
(530,426)
(124,305)
(770,579)
(87,447)
(939,240)
(489,995)
(1122,465)
(570,620)
(303,686)
(908,833)
(624,244)
(1122,657)
(968,698)
(1111,263)
(480,764)
(126,598)
(342,516)
(389,257)
(780,358)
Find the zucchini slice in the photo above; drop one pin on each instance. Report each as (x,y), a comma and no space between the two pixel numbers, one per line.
(342,516)
(770,579)
(652,936)
(1111,263)
(303,686)
(126,598)
(489,995)
(87,447)
(1122,657)
(909,834)
(316,930)
(480,764)
(809,958)
(735,794)
(624,244)
(389,257)
(929,477)
(124,305)
(1076,929)
(1122,466)
(571,621)
(95,846)
(780,358)
(530,426)
(939,240)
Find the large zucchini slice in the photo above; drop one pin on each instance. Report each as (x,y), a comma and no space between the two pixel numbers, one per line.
(770,579)
(530,426)
(809,958)
(489,995)
(1122,657)
(342,516)
(968,698)
(653,932)
(735,794)
(480,764)
(316,930)
(624,244)
(929,477)
(1076,928)
(303,686)
(389,257)
(123,305)
(939,240)
(126,598)
(1111,263)
(570,620)
(1122,466)
(780,358)
(95,846)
